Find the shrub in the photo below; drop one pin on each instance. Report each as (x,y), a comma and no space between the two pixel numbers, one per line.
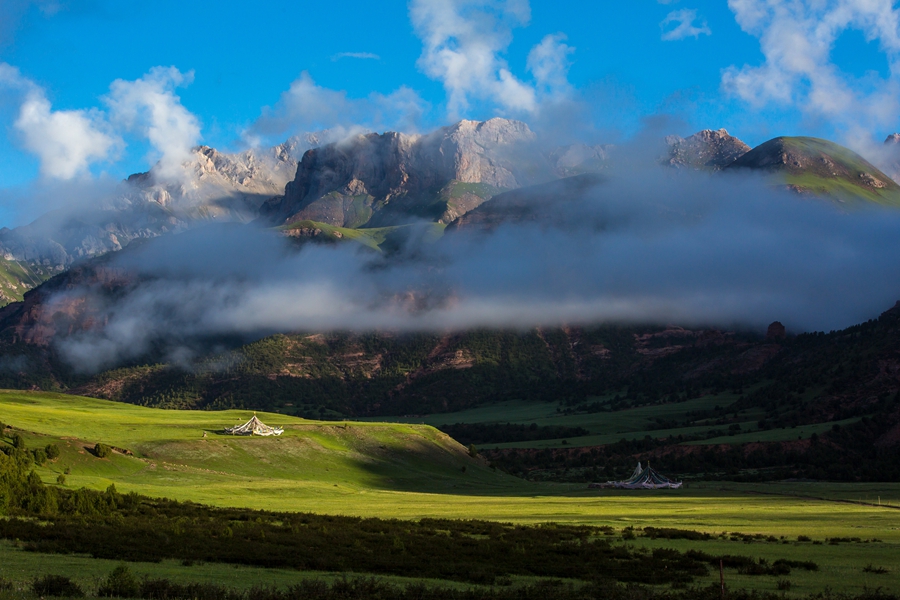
(61,480)
(473,451)
(120,583)
(56,585)
(18,441)
(52,451)
(783,584)
(875,570)
(5,584)
(40,457)
(102,450)
(804,538)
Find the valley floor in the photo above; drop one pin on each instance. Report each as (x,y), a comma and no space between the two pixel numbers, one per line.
(407,471)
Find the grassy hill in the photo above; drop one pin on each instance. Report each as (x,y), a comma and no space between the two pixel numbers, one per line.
(821,167)
(164,453)
(410,471)
(384,470)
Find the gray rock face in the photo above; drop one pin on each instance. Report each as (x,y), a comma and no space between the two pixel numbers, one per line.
(708,149)
(214,186)
(389,178)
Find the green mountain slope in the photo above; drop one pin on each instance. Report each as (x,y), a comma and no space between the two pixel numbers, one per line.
(183,454)
(821,167)
(17,277)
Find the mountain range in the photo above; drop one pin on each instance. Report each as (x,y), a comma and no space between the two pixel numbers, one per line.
(370,189)
(385,180)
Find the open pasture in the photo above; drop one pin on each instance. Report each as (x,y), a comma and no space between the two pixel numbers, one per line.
(408,471)
(392,470)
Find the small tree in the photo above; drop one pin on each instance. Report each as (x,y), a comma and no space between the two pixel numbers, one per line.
(61,480)
(120,583)
(40,457)
(52,451)
(473,451)
(102,450)
(18,442)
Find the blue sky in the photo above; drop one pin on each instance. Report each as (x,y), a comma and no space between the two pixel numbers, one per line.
(218,73)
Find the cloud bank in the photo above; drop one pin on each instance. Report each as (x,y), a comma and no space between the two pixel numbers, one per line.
(641,247)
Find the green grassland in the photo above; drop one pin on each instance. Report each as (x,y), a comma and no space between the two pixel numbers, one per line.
(411,471)
(21,567)
(629,424)
(378,469)
(839,565)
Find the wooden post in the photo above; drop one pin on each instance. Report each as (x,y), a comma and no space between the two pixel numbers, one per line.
(722,578)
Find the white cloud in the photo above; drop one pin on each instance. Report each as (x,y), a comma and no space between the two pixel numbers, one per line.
(796,38)
(361,55)
(308,107)
(548,61)
(150,107)
(679,24)
(463,41)
(67,142)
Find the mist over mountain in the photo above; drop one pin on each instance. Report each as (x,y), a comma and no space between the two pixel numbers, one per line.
(711,234)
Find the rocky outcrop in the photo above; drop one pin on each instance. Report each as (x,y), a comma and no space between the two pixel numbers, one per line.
(708,149)
(383,179)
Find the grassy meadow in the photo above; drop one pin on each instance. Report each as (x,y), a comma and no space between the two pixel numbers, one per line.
(412,471)
(629,424)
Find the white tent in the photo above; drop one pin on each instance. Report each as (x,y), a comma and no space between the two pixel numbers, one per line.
(254,427)
(646,479)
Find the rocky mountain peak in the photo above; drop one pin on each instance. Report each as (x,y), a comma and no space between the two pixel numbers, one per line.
(386,178)
(706,149)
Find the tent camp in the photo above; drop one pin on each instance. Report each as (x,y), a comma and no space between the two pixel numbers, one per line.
(641,479)
(253,427)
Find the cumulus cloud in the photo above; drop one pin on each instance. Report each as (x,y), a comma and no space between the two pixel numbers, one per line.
(680,24)
(361,55)
(640,246)
(463,41)
(149,107)
(67,142)
(796,38)
(307,106)
(548,61)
